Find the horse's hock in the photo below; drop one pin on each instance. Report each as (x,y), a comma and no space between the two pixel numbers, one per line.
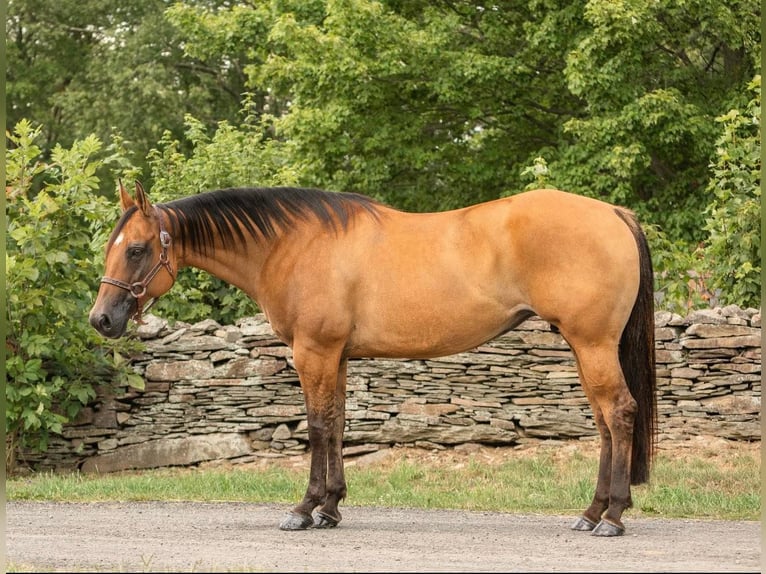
(230,393)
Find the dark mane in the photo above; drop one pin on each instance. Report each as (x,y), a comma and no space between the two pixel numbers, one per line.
(230,214)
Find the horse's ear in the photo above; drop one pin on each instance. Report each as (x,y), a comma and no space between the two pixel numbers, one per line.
(142,200)
(125,200)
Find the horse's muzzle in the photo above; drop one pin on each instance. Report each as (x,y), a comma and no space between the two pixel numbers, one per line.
(111,318)
(107,325)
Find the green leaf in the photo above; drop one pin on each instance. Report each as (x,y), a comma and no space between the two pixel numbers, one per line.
(136,381)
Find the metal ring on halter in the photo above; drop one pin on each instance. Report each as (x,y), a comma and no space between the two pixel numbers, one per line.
(136,293)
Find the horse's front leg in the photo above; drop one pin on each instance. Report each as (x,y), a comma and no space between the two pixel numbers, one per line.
(323,383)
(329,515)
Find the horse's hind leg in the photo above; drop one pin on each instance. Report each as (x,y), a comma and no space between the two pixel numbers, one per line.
(614,411)
(592,515)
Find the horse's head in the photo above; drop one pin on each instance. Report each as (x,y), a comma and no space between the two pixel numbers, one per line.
(139,265)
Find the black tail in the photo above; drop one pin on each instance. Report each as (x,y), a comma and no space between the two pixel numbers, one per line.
(637,359)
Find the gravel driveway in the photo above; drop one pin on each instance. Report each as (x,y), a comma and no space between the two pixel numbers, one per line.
(184,537)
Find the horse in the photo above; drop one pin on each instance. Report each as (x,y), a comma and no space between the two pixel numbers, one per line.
(342,276)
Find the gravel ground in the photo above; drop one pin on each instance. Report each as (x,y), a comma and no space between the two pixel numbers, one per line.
(202,537)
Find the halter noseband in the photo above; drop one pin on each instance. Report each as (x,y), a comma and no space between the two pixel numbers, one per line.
(138,289)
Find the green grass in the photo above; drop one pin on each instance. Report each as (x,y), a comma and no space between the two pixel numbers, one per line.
(693,485)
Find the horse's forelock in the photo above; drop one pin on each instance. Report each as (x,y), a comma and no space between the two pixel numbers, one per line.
(127,214)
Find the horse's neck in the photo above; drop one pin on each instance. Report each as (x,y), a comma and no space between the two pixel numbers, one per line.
(239,266)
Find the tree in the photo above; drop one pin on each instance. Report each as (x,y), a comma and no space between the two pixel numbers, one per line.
(654,75)
(47,46)
(431,106)
(109,68)
(424,105)
(419,105)
(437,105)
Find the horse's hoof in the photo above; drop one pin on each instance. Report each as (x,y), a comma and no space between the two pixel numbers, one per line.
(296,522)
(583,524)
(605,528)
(323,520)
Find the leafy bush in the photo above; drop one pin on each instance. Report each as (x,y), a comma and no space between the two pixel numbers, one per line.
(725,268)
(54,357)
(733,255)
(680,285)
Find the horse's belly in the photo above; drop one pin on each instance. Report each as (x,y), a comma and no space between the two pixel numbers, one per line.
(431,329)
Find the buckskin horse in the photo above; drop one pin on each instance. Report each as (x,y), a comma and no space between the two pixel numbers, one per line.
(341,276)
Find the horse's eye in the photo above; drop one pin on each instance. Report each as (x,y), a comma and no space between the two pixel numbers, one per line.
(136,252)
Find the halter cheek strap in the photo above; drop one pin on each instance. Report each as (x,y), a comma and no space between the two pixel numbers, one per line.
(138,289)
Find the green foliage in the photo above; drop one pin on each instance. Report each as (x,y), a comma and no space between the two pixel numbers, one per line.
(652,76)
(425,105)
(733,254)
(231,156)
(724,268)
(54,357)
(416,104)
(431,106)
(78,67)
(680,286)
(538,172)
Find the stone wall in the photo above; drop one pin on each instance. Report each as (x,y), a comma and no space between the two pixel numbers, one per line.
(230,393)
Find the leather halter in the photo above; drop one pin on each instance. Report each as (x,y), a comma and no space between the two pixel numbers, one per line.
(138,289)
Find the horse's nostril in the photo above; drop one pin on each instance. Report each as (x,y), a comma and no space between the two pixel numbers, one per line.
(102,323)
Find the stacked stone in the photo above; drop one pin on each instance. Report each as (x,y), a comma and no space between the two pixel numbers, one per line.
(709,373)
(519,387)
(231,393)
